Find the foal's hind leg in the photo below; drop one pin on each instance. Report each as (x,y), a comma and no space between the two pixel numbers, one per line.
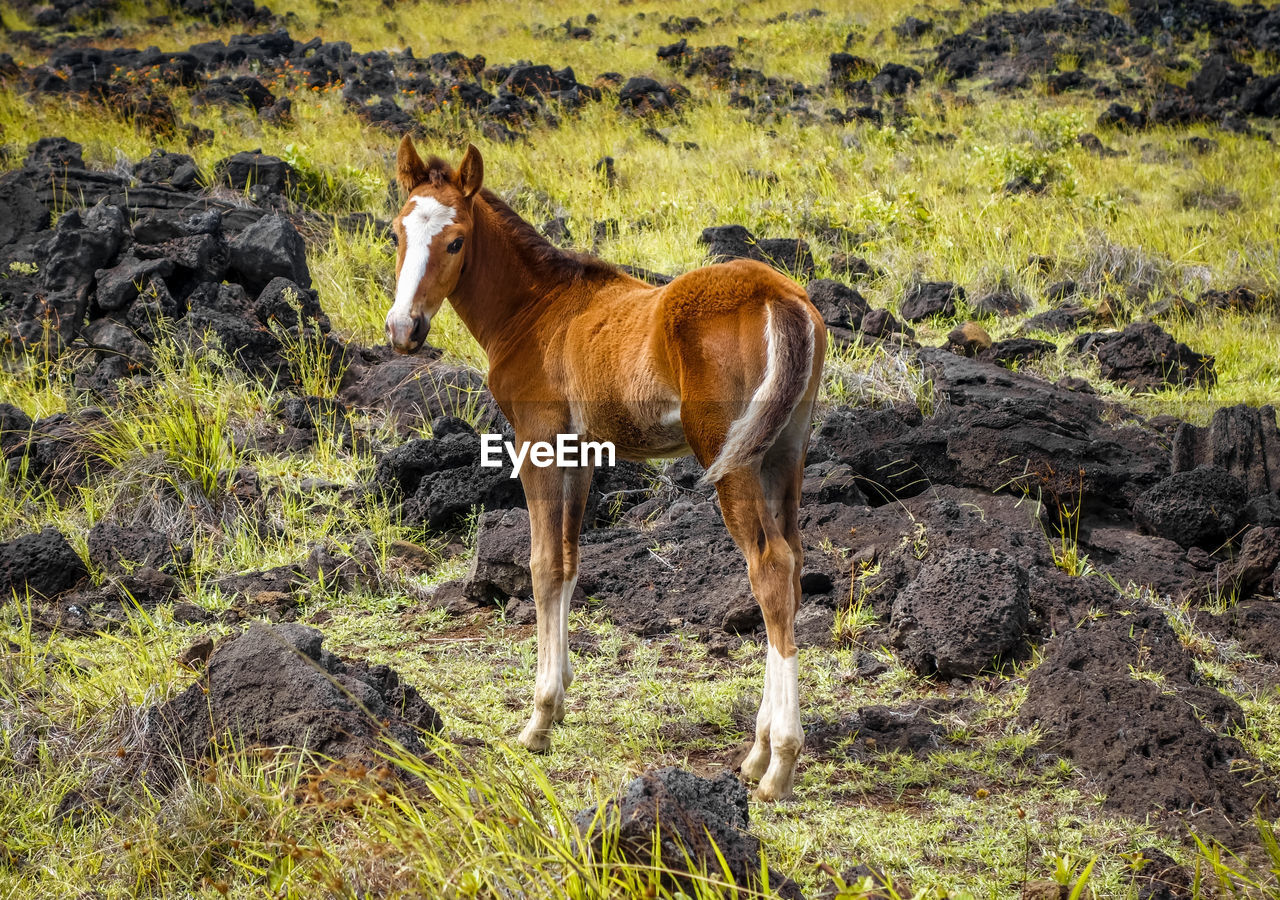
(752,513)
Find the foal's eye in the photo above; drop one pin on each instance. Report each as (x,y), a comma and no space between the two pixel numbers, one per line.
(455,245)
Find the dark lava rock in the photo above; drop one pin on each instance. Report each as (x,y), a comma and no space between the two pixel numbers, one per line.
(672,819)
(162,167)
(1261,97)
(1240,440)
(270,248)
(1143,742)
(682,572)
(1068,318)
(253,171)
(119,548)
(24,213)
(242,90)
(879,324)
(1001,303)
(79,247)
(54,153)
(312,412)
(1005,429)
(1119,115)
(413,391)
(1016,350)
(930,298)
(275,686)
(1199,508)
(118,286)
(1094,145)
(643,95)
(841,306)
(440,481)
(788,255)
(1145,356)
(1255,625)
(830,482)
(42,564)
(1220,78)
(15,429)
(912,28)
(289,305)
(895,79)
(1253,570)
(912,729)
(964,613)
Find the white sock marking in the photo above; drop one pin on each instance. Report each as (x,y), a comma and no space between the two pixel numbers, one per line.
(784,724)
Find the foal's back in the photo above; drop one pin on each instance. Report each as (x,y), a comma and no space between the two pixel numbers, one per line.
(631,358)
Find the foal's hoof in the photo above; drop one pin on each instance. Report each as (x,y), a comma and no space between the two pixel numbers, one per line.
(756,762)
(775,785)
(536,740)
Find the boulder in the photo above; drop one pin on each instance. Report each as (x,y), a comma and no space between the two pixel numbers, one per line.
(1145,357)
(963,614)
(1241,440)
(1199,508)
(119,286)
(673,820)
(24,213)
(117,548)
(42,564)
(841,306)
(930,298)
(1116,696)
(248,170)
(789,255)
(1254,567)
(270,248)
(277,687)
(440,481)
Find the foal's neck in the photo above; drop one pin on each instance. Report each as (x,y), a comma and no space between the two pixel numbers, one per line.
(511,276)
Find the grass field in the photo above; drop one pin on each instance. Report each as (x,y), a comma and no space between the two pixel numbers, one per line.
(981,817)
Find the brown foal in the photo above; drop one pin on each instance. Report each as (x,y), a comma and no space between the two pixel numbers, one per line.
(723,362)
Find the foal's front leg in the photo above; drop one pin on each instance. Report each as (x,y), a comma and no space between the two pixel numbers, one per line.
(556,499)
(544,497)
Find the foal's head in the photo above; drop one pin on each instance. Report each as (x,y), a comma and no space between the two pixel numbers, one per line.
(432,232)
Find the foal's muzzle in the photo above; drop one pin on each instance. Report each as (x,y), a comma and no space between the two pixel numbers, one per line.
(407,333)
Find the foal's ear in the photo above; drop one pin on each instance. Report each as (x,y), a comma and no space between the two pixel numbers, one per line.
(471,171)
(411,171)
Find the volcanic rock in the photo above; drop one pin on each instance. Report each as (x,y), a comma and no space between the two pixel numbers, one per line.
(117,548)
(1116,696)
(930,298)
(788,255)
(440,481)
(1198,508)
(270,248)
(962,614)
(689,821)
(275,686)
(1241,440)
(42,564)
(1145,356)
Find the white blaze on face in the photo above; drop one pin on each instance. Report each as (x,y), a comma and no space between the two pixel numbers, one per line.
(421,224)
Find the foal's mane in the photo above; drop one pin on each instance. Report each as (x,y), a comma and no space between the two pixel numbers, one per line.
(551,260)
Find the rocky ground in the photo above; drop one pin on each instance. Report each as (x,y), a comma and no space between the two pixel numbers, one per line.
(1041,507)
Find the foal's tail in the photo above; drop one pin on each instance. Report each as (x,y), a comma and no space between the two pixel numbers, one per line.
(788,332)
